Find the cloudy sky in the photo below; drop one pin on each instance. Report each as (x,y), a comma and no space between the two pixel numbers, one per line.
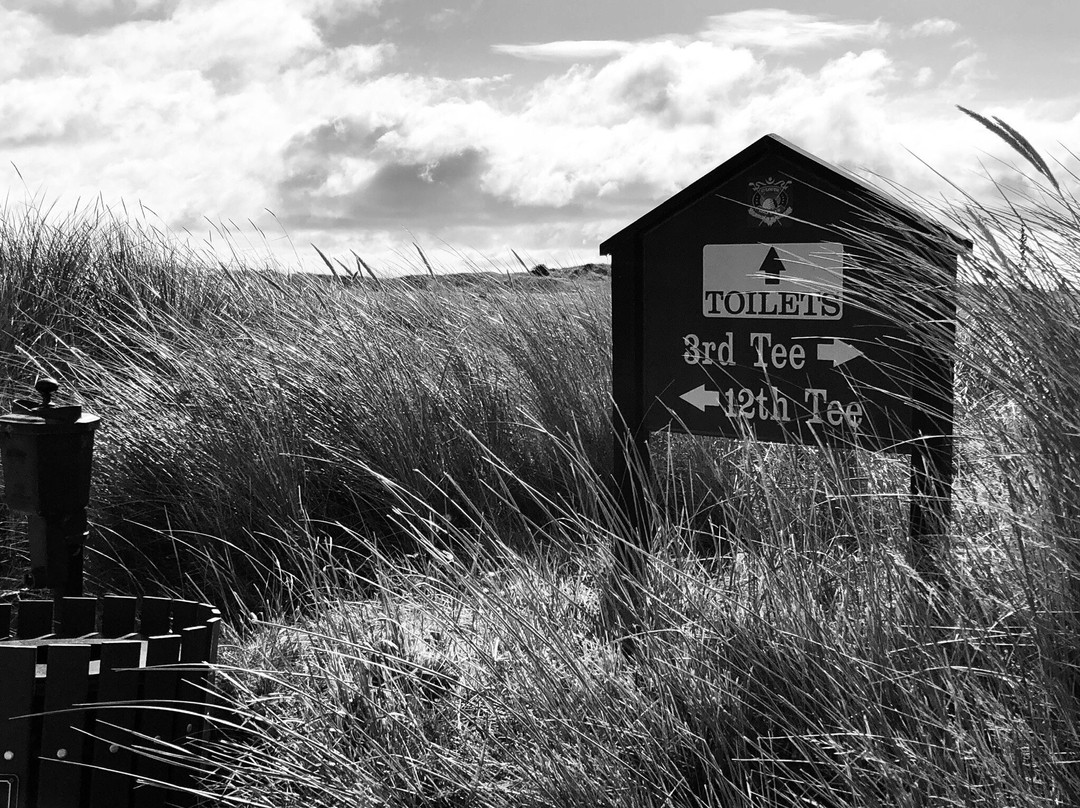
(477,126)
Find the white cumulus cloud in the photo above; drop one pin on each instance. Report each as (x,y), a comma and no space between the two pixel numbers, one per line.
(775,29)
(935,26)
(570,50)
(219,108)
(335,10)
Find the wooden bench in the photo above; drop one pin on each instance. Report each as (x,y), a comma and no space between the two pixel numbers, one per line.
(102,682)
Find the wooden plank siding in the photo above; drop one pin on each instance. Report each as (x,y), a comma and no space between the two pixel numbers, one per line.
(97,693)
(62,727)
(18,664)
(118,682)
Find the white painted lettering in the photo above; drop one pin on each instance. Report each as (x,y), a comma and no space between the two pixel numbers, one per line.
(814,397)
(692,355)
(780,406)
(760,342)
(797,356)
(777,356)
(705,352)
(766,404)
(854,414)
(779,305)
(833,412)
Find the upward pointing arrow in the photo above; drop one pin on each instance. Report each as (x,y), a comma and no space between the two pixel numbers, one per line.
(838,352)
(772,266)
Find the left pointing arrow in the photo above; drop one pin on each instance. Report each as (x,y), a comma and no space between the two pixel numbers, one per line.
(702,398)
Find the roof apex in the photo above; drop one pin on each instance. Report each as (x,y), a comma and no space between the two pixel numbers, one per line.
(773,143)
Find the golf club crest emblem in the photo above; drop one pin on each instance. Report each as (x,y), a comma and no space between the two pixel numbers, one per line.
(770,200)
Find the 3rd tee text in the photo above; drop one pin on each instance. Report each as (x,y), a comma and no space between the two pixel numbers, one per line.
(765,403)
(766,355)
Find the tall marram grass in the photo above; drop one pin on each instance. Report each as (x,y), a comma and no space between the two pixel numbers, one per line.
(796,673)
(240,405)
(401,492)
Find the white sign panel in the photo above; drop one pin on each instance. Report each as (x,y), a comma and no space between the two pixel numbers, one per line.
(778,281)
(9,791)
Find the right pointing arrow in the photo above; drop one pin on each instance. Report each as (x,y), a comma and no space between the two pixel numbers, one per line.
(702,398)
(838,352)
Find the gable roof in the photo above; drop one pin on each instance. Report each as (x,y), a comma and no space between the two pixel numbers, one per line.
(773,145)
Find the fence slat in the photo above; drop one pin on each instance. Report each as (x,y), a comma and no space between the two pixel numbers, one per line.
(17,667)
(185,614)
(78,617)
(159,686)
(155,616)
(194,649)
(67,681)
(191,692)
(35,619)
(214,624)
(118,615)
(112,727)
(5,620)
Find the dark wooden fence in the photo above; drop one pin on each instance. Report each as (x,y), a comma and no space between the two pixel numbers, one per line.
(116,684)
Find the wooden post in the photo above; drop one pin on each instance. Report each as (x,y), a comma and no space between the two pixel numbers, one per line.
(17,667)
(56,548)
(932,427)
(931,506)
(631,464)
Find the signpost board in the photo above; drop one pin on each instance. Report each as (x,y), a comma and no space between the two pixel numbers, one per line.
(765,300)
